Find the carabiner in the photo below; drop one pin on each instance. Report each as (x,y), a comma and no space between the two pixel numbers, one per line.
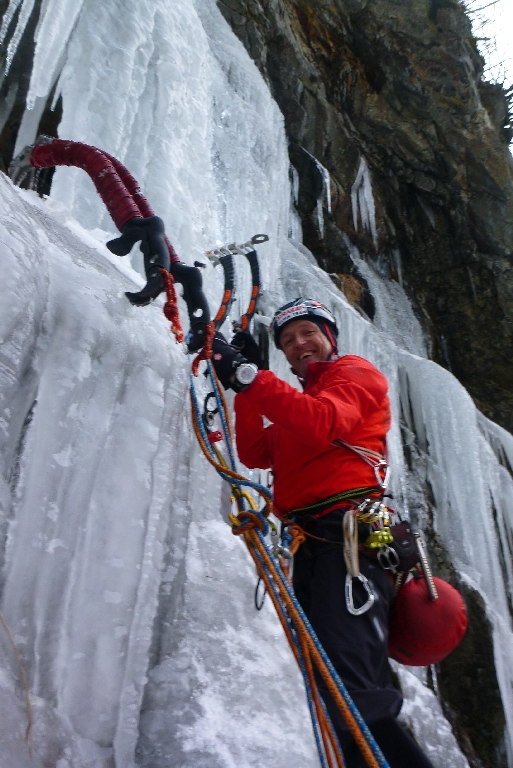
(349,595)
(382,465)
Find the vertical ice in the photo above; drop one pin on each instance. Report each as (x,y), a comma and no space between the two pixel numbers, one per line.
(362,201)
(325,194)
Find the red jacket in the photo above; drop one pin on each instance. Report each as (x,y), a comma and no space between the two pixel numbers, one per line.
(344,398)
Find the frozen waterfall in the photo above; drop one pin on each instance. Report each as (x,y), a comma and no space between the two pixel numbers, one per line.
(127,595)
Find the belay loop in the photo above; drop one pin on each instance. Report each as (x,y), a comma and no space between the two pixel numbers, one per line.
(250,523)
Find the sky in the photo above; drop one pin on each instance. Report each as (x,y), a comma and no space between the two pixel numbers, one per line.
(493,19)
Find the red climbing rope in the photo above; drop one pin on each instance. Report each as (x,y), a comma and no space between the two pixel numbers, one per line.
(206,351)
(171,306)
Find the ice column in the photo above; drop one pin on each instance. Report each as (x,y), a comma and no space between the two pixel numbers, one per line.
(362,200)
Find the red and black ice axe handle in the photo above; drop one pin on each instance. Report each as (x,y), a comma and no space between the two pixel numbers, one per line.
(132,215)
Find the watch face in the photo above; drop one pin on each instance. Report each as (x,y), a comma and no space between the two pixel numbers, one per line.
(246,373)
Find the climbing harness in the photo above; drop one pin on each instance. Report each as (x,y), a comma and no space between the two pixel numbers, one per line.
(252,523)
(397,547)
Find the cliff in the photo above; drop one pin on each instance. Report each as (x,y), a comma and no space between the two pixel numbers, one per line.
(400,84)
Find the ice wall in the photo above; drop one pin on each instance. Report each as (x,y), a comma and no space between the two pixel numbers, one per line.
(128,596)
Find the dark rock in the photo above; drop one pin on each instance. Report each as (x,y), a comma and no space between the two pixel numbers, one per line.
(468,686)
(400,83)
(13,93)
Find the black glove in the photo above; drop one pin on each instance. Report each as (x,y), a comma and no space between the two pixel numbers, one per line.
(244,343)
(226,360)
(150,232)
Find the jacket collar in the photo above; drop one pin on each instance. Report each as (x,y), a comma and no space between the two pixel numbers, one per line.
(315,371)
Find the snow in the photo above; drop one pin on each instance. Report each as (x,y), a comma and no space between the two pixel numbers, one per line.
(129,599)
(438,742)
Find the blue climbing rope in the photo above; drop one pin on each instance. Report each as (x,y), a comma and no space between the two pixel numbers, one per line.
(254,519)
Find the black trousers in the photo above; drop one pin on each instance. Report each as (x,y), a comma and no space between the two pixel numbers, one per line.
(356,645)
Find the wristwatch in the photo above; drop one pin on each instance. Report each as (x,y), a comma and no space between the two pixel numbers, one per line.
(246,373)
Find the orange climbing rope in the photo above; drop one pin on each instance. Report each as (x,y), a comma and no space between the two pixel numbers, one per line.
(251,524)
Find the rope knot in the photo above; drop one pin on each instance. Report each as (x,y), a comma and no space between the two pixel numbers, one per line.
(298,537)
(247,520)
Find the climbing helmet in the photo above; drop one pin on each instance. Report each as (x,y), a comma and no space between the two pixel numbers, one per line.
(307,309)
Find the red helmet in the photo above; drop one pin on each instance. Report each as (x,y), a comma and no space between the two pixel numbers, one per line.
(425,631)
(303,308)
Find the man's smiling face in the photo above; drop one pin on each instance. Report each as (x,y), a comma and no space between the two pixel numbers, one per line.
(303,343)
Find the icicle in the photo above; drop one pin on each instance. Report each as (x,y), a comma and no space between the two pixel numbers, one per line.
(295,226)
(57,21)
(320,217)
(29,124)
(363,199)
(327,185)
(8,17)
(23,18)
(326,192)
(398,265)
(294,187)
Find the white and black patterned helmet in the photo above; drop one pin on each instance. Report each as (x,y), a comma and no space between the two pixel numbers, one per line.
(306,309)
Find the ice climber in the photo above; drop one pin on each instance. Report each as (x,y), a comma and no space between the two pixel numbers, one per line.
(308,445)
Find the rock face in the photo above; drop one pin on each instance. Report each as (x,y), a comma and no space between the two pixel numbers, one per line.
(399,84)
(13,92)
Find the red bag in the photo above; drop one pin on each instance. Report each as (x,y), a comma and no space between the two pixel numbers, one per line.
(424,631)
